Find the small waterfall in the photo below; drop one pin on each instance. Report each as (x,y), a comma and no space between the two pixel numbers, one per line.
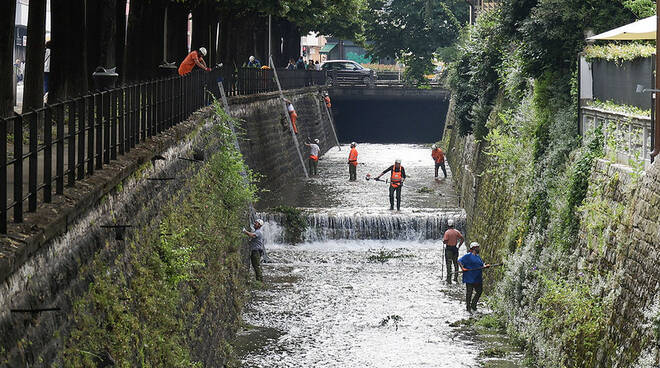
(422,224)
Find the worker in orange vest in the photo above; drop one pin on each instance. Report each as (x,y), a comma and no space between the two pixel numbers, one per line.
(292,114)
(326,98)
(352,163)
(397,178)
(439,159)
(194,58)
(313,157)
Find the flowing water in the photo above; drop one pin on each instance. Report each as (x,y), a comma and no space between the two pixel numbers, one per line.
(366,289)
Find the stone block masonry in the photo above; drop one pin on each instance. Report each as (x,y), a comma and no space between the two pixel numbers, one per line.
(618,247)
(267,145)
(47,260)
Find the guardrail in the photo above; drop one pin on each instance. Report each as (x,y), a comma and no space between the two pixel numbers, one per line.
(81,135)
(626,137)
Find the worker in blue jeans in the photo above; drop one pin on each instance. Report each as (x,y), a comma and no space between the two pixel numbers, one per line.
(472,266)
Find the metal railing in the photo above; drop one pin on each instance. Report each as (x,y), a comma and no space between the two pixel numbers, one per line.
(44,150)
(247,81)
(627,138)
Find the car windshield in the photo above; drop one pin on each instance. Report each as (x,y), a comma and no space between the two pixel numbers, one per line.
(355,66)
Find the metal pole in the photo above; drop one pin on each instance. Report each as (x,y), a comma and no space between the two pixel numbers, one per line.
(253,212)
(286,113)
(656,133)
(165,36)
(332,123)
(270,42)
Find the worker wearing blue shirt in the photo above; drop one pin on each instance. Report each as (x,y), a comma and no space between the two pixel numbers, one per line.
(472,267)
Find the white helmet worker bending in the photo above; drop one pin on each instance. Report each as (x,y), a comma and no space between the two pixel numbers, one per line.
(203,51)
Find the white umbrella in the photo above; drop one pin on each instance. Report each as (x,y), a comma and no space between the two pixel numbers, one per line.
(643,29)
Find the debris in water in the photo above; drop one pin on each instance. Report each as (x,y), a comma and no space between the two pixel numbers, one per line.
(384,255)
(424,190)
(394,318)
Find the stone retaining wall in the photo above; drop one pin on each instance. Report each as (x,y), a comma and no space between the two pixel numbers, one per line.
(619,240)
(45,262)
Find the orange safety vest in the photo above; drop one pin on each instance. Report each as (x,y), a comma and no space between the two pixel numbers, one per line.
(313,157)
(438,155)
(327,101)
(396,178)
(352,157)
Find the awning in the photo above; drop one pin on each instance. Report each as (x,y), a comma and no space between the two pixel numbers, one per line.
(640,30)
(327,48)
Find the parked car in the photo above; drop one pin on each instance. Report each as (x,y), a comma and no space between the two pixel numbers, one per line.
(348,71)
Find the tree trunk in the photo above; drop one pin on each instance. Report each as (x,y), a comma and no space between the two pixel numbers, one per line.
(33,93)
(144,46)
(200,27)
(7,17)
(68,67)
(291,37)
(108,34)
(213,34)
(177,31)
(120,39)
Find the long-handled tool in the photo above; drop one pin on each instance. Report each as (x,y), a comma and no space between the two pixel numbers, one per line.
(480,268)
(369,177)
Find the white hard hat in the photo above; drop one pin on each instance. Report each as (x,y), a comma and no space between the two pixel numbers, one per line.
(353,144)
(260,222)
(251,58)
(450,222)
(474,245)
(434,146)
(203,51)
(316,140)
(397,161)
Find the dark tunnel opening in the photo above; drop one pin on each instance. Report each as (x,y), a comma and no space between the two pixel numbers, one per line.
(387,119)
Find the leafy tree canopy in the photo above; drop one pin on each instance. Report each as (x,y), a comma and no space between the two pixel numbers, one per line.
(339,18)
(410,30)
(641,8)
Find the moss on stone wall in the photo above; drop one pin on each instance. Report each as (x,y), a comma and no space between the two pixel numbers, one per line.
(173,297)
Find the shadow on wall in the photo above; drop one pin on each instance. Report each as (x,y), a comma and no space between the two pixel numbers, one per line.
(389,120)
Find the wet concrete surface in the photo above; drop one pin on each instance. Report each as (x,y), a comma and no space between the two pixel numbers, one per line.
(332,189)
(327,304)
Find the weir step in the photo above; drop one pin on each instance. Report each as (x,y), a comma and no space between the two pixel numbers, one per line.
(410,225)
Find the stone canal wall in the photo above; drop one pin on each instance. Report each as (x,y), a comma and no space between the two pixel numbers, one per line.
(142,263)
(586,287)
(268,147)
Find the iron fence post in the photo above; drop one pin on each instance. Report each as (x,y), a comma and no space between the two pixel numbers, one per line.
(18,169)
(3,176)
(59,156)
(48,154)
(107,102)
(71,135)
(100,110)
(81,138)
(114,123)
(32,163)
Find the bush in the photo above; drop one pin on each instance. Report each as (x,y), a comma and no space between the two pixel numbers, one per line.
(295,223)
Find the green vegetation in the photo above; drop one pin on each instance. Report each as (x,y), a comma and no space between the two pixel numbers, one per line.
(294,222)
(570,313)
(623,109)
(411,31)
(619,52)
(152,305)
(513,86)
